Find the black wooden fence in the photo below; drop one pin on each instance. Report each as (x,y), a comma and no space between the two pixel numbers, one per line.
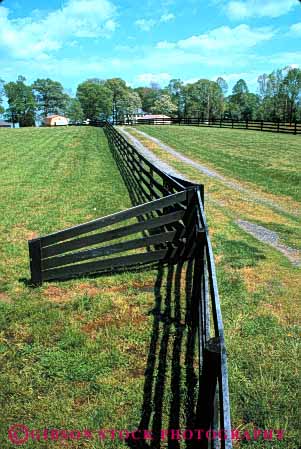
(167,225)
(255,125)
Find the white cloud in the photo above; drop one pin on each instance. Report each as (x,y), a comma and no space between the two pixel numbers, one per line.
(147,78)
(145,24)
(165,44)
(167,17)
(222,38)
(285,59)
(295,29)
(38,36)
(148,24)
(237,9)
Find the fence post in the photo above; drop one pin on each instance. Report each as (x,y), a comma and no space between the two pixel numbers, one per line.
(246,123)
(206,404)
(34,247)
(261,125)
(278,125)
(295,129)
(220,122)
(232,123)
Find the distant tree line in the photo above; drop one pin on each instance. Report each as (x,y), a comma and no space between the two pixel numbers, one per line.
(278,98)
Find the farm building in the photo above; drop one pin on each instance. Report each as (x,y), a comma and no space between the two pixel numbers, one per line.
(56,120)
(4,124)
(156,118)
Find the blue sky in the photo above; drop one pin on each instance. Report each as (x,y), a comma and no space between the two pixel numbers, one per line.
(148,40)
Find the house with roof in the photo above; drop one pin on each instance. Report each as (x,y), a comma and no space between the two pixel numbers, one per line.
(55,120)
(156,119)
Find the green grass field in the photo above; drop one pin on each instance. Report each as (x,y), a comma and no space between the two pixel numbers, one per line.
(259,286)
(73,355)
(271,161)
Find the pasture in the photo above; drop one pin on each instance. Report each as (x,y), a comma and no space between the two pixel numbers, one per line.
(259,285)
(74,354)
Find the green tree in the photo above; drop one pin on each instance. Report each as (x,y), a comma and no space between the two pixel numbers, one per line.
(204,98)
(240,104)
(1,95)
(164,105)
(95,100)
(273,100)
(222,84)
(21,102)
(176,91)
(291,89)
(119,91)
(74,111)
(148,96)
(50,97)
(130,103)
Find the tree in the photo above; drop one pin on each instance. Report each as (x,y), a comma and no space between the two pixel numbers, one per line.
(130,103)
(164,105)
(50,97)
(74,111)
(222,84)
(291,88)
(204,98)
(148,96)
(119,92)
(1,95)
(239,104)
(176,91)
(95,100)
(21,102)
(240,88)
(274,102)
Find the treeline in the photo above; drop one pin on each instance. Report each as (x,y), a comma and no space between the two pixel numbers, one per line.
(278,98)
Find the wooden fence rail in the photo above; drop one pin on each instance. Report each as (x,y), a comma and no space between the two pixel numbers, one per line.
(167,224)
(255,125)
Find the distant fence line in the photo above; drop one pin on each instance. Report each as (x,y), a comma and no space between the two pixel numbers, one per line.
(255,125)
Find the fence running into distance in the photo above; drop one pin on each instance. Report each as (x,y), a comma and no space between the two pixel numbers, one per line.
(255,125)
(167,224)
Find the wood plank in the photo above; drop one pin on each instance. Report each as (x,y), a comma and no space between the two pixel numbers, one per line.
(108,250)
(34,247)
(93,267)
(111,235)
(112,219)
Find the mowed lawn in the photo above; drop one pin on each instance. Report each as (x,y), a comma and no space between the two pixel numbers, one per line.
(73,355)
(269,160)
(259,287)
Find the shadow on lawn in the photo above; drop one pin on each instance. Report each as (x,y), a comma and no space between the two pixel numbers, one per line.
(173,334)
(172,350)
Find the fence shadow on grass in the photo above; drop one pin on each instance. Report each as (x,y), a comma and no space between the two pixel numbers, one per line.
(184,363)
(170,377)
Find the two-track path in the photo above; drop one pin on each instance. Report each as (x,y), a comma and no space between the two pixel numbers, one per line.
(261,233)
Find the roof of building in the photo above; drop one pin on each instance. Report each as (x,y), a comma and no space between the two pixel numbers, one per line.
(49,117)
(151,116)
